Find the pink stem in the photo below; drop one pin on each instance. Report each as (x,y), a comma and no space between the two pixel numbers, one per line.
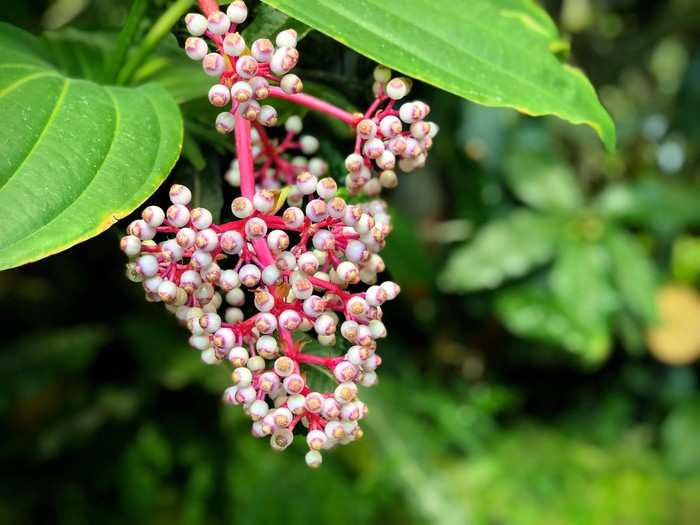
(244,152)
(208,6)
(315,103)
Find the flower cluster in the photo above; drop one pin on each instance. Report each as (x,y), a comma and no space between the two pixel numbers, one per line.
(383,142)
(298,262)
(244,73)
(274,275)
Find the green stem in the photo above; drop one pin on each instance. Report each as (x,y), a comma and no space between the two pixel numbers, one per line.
(124,40)
(158,32)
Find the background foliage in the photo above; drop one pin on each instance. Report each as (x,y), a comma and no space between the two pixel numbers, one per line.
(544,369)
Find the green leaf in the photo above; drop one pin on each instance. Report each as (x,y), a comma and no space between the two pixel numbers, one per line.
(639,203)
(581,284)
(531,311)
(633,274)
(76,156)
(503,249)
(538,176)
(493,53)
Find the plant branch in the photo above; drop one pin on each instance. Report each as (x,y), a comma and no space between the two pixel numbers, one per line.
(317,104)
(244,152)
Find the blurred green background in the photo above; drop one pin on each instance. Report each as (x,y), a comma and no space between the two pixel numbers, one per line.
(542,360)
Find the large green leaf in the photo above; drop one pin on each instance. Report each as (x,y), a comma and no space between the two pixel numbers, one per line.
(581,284)
(493,52)
(633,274)
(530,310)
(537,175)
(503,249)
(76,156)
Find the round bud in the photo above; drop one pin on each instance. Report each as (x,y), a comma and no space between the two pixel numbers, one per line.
(366,129)
(369,379)
(267,347)
(249,275)
(284,60)
(196,24)
(277,240)
(255,228)
(267,116)
(218,23)
(345,393)
(386,161)
(382,73)
(286,38)
(231,242)
(237,12)
(289,320)
(345,371)
(207,240)
(257,364)
(334,430)
(233,44)
(302,288)
(291,84)
(354,162)
(241,91)
(238,356)
(242,207)
(397,88)
(213,64)
(390,126)
(180,194)
(130,245)
(246,67)
(293,124)
(293,384)
(308,144)
(313,458)
(258,410)
(224,338)
(316,210)
(196,48)
(264,201)
(323,240)
(326,188)
(325,325)
(373,148)
(260,86)
(153,215)
(242,377)
(225,122)
(201,218)
(262,50)
(250,110)
(392,289)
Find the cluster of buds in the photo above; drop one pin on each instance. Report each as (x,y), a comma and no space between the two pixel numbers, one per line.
(244,74)
(387,138)
(298,264)
(246,287)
